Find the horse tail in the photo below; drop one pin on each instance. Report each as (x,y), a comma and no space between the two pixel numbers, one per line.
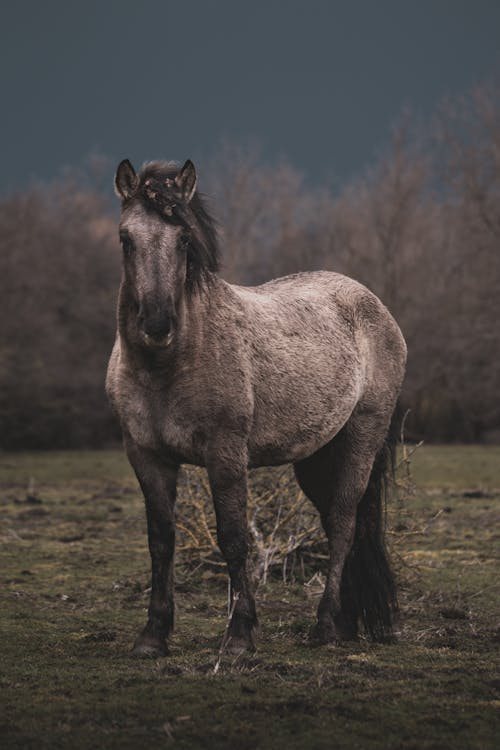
(368,587)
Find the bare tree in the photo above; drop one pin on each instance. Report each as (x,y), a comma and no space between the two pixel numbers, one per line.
(58,276)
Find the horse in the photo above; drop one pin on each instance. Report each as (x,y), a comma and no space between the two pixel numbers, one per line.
(305,369)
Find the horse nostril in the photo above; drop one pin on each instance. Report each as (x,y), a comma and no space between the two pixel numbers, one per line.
(157,327)
(156,319)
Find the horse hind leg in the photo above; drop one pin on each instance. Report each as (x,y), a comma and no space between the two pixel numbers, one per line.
(342,480)
(318,476)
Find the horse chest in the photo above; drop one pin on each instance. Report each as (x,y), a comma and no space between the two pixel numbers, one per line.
(154,422)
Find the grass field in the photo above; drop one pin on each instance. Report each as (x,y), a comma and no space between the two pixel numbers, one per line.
(74,577)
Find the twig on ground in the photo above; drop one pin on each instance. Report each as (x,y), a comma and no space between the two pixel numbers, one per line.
(226,638)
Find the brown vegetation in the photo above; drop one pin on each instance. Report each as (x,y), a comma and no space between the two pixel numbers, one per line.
(421,229)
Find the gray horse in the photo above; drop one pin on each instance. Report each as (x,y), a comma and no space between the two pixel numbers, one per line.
(305,369)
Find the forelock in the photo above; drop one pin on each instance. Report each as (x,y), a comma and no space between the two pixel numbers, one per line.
(156,187)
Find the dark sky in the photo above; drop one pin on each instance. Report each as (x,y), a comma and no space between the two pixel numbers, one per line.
(318,82)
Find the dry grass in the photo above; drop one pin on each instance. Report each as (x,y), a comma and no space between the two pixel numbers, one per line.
(287,540)
(284,527)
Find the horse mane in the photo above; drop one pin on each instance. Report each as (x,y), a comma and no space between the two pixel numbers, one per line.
(157,191)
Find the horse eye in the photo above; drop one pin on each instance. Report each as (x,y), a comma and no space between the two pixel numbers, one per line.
(127,244)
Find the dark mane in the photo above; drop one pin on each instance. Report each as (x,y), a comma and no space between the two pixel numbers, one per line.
(157,191)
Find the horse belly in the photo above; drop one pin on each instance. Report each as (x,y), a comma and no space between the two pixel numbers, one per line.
(291,424)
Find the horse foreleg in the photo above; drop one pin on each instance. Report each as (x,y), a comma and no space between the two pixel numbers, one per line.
(158,480)
(228,481)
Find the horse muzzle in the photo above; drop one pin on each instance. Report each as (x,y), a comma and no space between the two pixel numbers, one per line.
(156,330)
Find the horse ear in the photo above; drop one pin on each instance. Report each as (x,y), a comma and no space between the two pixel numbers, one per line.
(186,181)
(125,180)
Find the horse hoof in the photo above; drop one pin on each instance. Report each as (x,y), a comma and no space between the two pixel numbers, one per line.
(347,636)
(237,646)
(323,633)
(149,650)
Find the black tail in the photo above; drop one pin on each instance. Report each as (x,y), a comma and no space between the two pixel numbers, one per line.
(368,589)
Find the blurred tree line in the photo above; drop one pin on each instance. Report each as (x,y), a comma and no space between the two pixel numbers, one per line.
(421,228)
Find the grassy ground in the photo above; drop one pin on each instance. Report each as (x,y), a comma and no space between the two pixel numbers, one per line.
(74,574)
